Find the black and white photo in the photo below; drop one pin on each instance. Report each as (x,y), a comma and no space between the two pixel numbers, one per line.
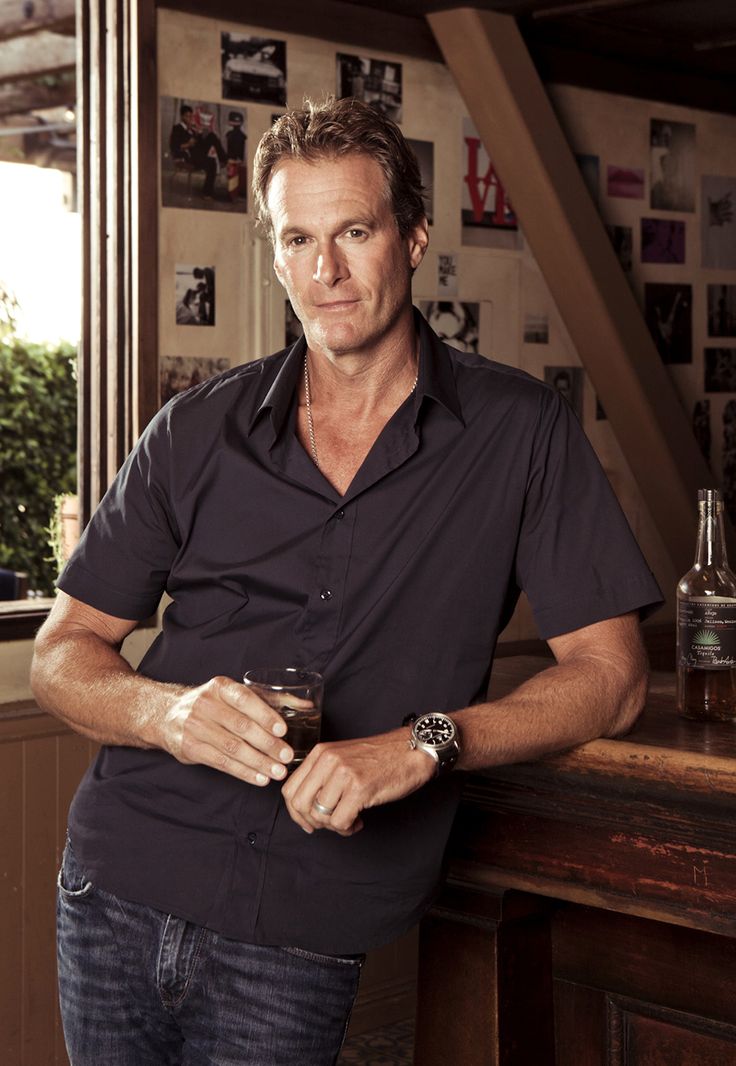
(453,321)
(672,165)
(568,381)
(374,81)
(536,327)
(722,310)
(253,68)
(718,226)
(720,369)
(424,151)
(195,295)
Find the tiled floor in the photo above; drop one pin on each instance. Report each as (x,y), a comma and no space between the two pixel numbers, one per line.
(390,1046)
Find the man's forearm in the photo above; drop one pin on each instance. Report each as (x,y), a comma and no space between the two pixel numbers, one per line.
(565,705)
(84,681)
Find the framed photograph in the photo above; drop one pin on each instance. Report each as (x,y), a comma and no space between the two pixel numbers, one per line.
(195,295)
(668,313)
(718,228)
(568,381)
(374,81)
(672,161)
(203,159)
(722,310)
(720,369)
(625,182)
(453,321)
(253,68)
(662,240)
(424,151)
(180,372)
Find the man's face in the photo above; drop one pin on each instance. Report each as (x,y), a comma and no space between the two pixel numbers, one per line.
(339,255)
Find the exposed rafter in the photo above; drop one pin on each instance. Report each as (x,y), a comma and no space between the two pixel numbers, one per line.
(508,103)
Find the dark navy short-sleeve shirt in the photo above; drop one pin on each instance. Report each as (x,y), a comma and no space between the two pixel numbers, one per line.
(481,484)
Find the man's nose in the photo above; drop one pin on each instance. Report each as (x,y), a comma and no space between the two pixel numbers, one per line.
(330,266)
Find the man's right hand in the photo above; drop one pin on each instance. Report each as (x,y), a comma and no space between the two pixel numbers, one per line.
(225,725)
(79,675)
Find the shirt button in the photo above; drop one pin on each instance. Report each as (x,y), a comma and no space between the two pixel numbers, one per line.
(325,594)
(339,515)
(252,837)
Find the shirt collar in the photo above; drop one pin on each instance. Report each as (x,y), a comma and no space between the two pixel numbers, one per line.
(436,378)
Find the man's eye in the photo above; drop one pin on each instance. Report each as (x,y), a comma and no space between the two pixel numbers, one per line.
(297,242)
(356,233)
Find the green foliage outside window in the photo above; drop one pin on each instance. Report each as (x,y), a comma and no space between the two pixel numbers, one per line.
(38,440)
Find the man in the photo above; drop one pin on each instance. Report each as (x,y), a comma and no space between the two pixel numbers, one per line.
(366,504)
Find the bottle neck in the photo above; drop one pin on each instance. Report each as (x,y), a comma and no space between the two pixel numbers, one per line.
(711,545)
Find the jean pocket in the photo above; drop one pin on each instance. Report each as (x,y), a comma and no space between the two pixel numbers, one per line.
(72,881)
(325,960)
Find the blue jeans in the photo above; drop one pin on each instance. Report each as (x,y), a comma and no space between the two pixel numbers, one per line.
(140,987)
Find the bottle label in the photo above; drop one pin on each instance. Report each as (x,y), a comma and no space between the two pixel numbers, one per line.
(707,632)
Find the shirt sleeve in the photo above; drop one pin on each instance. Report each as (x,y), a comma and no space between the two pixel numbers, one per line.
(124,556)
(577,559)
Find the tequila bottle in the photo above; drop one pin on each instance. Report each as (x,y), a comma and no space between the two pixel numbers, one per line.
(706,623)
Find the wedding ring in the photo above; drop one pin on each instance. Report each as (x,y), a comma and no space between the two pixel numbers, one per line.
(320,807)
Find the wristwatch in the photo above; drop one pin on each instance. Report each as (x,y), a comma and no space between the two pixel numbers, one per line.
(437,735)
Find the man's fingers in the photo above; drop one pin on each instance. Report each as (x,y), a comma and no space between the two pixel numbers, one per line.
(248,703)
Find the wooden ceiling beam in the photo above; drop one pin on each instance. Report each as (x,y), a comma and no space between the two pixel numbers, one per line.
(45,53)
(507,101)
(57,15)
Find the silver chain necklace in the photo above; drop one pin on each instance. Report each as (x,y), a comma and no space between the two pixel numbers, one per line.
(310,421)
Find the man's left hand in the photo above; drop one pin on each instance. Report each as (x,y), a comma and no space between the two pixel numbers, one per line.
(347,776)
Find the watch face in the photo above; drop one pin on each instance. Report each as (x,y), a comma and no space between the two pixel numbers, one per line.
(435,730)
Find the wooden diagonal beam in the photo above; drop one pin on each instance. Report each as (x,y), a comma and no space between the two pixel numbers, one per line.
(512,112)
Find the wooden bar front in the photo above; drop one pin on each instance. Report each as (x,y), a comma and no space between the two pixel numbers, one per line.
(589,912)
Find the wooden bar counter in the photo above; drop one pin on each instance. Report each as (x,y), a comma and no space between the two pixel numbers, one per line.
(589,912)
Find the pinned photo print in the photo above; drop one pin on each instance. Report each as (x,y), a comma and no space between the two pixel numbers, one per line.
(488,219)
(536,328)
(195,295)
(672,155)
(668,313)
(568,381)
(374,81)
(455,322)
(718,225)
(662,240)
(177,373)
(720,369)
(625,182)
(253,68)
(722,310)
(203,155)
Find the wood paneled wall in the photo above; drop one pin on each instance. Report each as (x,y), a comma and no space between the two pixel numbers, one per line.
(41,763)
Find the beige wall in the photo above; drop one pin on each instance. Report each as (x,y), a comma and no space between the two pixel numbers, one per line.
(509,283)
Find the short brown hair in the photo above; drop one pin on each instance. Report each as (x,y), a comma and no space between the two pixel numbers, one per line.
(336,128)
